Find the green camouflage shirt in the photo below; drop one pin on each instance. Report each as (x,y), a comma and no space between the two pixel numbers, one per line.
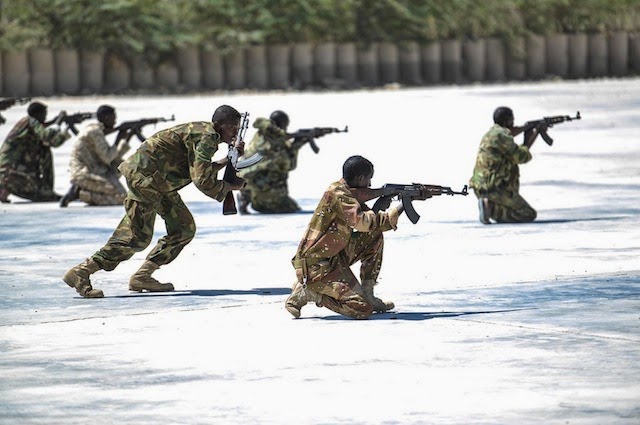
(26,145)
(497,161)
(177,156)
(276,148)
(336,217)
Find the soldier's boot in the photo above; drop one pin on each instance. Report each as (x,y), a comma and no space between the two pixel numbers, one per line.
(4,195)
(377,304)
(71,195)
(484,207)
(142,280)
(78,278)
(299,297)
(243,204)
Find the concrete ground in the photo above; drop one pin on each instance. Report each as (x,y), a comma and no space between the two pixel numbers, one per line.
(499,324)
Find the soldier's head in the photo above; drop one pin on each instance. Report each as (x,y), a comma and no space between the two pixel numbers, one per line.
(226,121)
(107,115)
(38,111)
(503,116)
(280,118)
(357,171)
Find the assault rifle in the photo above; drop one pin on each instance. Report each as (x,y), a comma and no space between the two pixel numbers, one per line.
(9,102)
(542,125)
(72,120)
(136,126)
(406,193)
(234,163)
(308,135)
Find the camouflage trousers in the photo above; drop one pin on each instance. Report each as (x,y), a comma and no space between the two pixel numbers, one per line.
(267,192)
(100,190)
(508,206)
(135,231)
(333,279)
(29,185)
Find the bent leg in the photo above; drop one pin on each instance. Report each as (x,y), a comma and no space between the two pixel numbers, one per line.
(132,235)
(28,186)
(342,293)
(270,193)
(99,191)
(181,229)
(510,207)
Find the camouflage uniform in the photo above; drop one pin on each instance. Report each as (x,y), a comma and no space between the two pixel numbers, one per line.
(496,176)
(26,161)
(92,167)
(266,190)
(165,163)
(341,233)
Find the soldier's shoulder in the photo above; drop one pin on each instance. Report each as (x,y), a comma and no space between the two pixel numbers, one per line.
(497,133)
(92,129)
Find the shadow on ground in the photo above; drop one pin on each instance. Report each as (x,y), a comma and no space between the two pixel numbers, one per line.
(209,293)
(419,315)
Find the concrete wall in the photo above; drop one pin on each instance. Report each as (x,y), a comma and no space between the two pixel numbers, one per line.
(44,72)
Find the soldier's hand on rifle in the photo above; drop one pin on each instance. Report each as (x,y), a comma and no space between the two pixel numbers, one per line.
(60,117)
(382,204)
(239,145)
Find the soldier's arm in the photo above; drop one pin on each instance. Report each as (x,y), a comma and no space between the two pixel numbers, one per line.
(52,136)
(101,147)
(365,221)
(204,172)
(509,148)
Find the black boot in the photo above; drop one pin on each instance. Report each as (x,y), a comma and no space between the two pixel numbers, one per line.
(71,195)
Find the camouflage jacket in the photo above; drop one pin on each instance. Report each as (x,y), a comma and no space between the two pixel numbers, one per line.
(177,156)
(92,154)
(278,152)
(335,219)
(497,161)
(25,147)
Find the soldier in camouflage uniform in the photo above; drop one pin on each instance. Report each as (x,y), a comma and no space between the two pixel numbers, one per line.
(165,163)
(496,176)
(342,232)
(26,161)
(93,165)
(266,190)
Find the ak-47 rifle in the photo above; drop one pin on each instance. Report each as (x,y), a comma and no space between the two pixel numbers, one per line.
(9,102)
(542,125)
(308,135)
(73,119)
(406,193)
(136,126)
(234,164)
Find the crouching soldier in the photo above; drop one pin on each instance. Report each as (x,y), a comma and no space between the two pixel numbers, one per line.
(95,178)
(165,163)
(342,232)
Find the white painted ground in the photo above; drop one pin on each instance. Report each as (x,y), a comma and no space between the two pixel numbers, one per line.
(534,323)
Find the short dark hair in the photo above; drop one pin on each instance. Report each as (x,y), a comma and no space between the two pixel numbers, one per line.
(36,108)
(225,114)
(501,115)
(280,118)
(104,111)
(356,166)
